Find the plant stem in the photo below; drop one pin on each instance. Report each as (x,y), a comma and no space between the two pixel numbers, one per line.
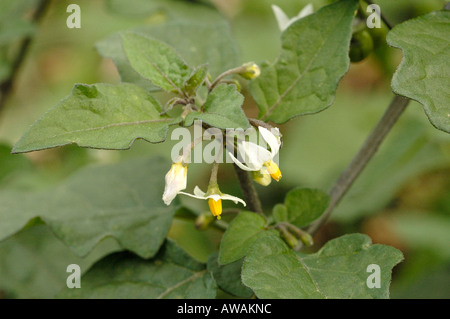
(6,86)
(366,152)
(224,74)
(248,190)
(213,178)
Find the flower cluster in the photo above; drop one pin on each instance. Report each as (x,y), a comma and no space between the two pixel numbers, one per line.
(252,157)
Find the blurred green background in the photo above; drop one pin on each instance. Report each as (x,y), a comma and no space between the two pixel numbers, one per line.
(401,199)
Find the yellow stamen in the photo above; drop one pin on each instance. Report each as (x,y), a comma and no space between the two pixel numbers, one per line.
(273,170)
(215,207)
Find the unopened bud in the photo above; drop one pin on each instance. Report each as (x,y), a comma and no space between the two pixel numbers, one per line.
(306,239)
(203,221)
(251,71)
(290,239)
(261,177)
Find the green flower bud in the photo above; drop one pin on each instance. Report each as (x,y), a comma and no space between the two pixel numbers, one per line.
(203,221)
(290,239)
(251,71)
(306,239)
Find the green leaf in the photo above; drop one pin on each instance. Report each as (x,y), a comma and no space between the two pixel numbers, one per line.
(172,274)
(314,56)
(240,235)
(99,116)
(222,109)
(156,61)
(424,74)
(196,79)
(122,201)
(198,43)
(280,213)
(33,263)
(228,277)
(305,205)
(338,270)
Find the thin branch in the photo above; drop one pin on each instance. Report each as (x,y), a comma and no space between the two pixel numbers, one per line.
(248,189)
(224,74)
(367,151)
(6,86)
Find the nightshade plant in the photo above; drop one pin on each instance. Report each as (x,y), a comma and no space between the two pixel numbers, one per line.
(134,202)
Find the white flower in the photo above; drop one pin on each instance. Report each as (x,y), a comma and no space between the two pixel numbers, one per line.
(176,180)
(284,22)
(214,197)
(257,158)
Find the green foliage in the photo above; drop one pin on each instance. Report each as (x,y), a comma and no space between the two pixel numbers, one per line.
(424,72)
(222,109)
(303,206)
(99,116)
(198,43)
(33,262)
(273,270)
(243,231)
(228,277)
(180,51)
(156,61)
(122,201)
(314,56)
(171,274)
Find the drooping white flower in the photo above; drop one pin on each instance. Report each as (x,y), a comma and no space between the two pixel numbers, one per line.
(257,158)
(214,197)
(283,20)
(176,181)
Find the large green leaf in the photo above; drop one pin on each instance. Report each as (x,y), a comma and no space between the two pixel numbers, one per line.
(303,206)
(228,277)
(33,263)
(156,61)
(222,109)
(424,74)
(198,43)
(122,201)
(172,274)
(99,116)
(314,56)
(338,270)
(240,235)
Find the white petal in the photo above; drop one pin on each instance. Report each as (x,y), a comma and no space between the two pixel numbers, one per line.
(306,11)
(175,181)
(282,18)
(238,163)
(216,197)
(257,155)
(271,139)
(233,198)
(199,192)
